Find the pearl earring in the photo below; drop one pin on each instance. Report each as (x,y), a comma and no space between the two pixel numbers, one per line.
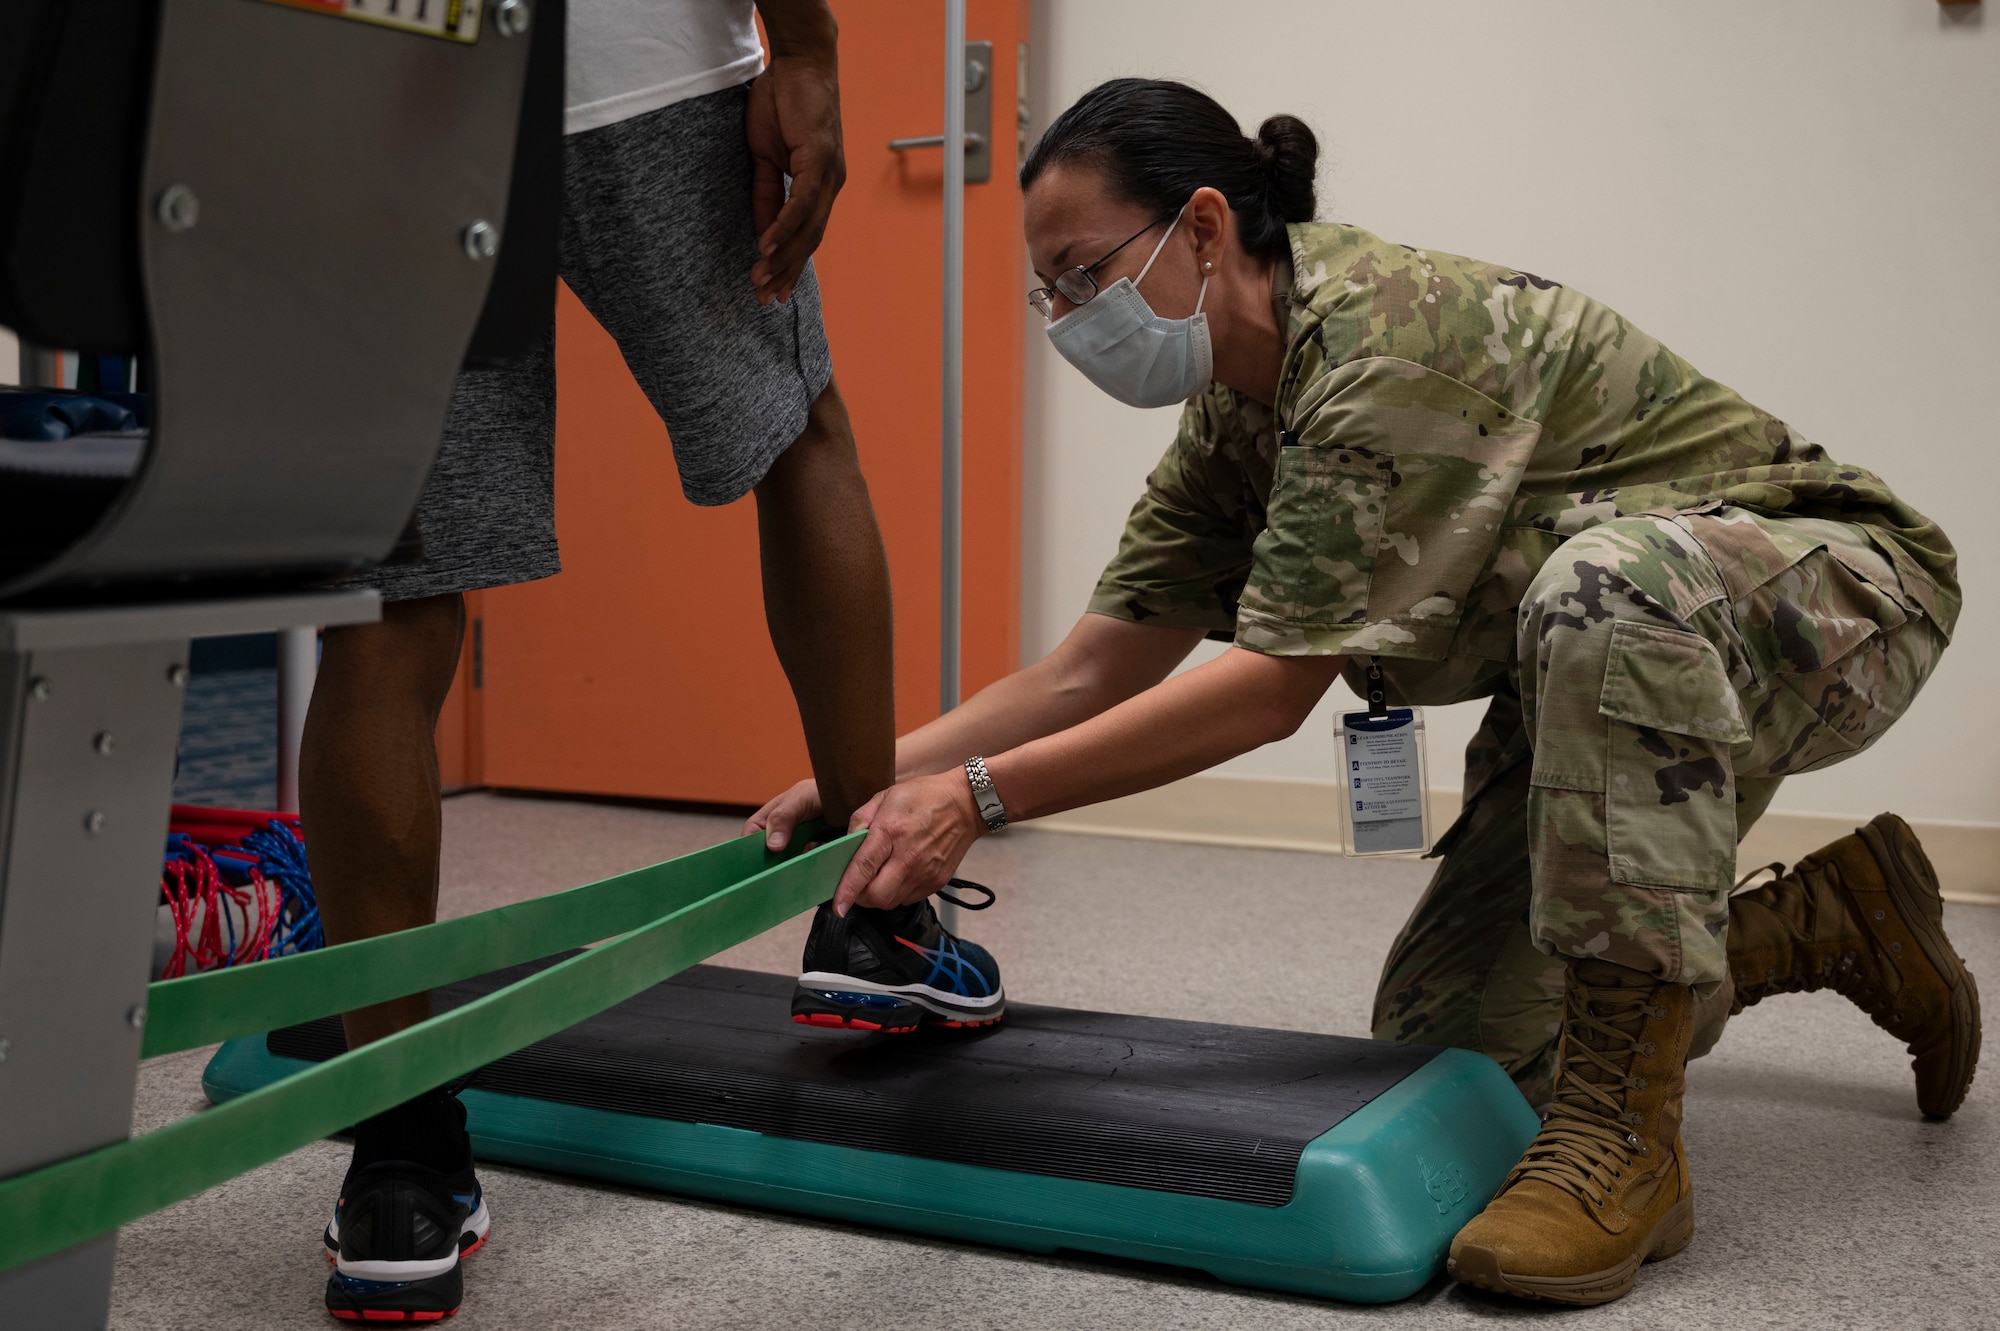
(1206,266)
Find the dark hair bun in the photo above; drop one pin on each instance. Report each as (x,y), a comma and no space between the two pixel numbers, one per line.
(1157,142)
(1291,166)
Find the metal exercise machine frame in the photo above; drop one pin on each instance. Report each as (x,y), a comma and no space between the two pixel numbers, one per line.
(317,202)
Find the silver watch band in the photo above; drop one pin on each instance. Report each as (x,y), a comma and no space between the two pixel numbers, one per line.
(983,794)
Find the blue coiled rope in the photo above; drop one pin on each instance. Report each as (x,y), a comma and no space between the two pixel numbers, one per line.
(282,857)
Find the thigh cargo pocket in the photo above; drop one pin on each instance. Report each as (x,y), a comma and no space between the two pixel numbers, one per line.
(1672,718)
(1847,656)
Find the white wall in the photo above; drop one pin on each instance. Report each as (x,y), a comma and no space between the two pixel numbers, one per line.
(1800,196)
(10,357)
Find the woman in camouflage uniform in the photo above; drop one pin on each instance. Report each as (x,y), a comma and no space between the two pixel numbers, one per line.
(1493,487)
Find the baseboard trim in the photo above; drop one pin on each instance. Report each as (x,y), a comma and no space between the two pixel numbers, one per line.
(1277,814)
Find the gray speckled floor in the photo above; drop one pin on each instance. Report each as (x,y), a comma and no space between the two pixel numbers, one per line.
(1825,1201)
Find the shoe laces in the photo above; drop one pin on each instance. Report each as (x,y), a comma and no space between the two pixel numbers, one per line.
(1587,1140)
(963,885)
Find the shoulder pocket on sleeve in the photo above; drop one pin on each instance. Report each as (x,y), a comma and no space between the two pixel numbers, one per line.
(1314,559)
(1458,461)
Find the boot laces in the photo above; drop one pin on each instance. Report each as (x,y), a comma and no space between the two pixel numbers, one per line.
(1587,1140)
(1843,970)
(1820,959)
(1775,868)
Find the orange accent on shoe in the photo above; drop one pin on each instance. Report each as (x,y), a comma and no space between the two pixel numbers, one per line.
(832,1019)
(388,1315)
(477,1244)
(847,1023)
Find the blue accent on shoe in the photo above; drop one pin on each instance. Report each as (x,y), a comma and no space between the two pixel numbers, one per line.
(356,1285)
(956,964)
(892,965)
(880,1002)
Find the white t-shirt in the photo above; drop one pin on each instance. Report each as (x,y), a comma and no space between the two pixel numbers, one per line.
(628,57)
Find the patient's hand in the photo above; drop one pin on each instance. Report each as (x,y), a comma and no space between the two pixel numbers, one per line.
(793,128)
(777,818)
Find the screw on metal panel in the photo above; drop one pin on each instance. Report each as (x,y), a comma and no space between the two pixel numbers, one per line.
(178,208)
(40,687)
(93,822)
(510,17)
(177,675)
(135,1016)
(481,240)
(975,75)
(105,742)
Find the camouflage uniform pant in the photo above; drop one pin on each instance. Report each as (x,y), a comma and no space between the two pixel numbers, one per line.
(1671,671)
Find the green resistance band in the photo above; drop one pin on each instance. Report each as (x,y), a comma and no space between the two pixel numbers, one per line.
(247,1000)
(77,1199)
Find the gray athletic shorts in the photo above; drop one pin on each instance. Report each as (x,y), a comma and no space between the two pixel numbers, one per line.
(657,241)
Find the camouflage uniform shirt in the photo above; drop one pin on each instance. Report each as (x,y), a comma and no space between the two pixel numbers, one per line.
(1442,425)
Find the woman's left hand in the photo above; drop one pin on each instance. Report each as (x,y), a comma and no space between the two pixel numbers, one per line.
(918,832)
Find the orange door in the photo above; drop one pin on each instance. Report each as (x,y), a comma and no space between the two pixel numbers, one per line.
(644,668)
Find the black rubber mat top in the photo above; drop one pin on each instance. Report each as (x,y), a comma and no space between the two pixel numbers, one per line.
(1174,1106)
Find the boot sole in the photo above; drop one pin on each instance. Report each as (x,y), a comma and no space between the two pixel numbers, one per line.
(1913,886)
(1480,1267)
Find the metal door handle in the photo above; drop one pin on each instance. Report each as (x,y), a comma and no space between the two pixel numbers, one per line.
(978,117)
(973,142)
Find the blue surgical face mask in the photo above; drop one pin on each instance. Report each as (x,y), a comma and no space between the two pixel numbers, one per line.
(1132,353)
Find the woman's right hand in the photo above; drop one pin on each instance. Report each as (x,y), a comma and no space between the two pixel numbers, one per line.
(777,819)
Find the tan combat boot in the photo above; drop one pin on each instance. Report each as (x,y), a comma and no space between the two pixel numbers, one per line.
(1863,917)
(1604,1186)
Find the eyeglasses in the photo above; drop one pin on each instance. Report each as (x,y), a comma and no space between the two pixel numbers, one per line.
(1076,285)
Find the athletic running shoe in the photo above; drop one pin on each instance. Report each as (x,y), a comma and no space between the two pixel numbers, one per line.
(894,970)
(397,1235)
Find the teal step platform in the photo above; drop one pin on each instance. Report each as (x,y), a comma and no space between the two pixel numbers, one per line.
(1280,1159)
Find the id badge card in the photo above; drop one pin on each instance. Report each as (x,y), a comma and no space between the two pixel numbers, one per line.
(1382,780)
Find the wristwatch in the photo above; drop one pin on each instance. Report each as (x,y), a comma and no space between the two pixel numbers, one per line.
(983,794)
